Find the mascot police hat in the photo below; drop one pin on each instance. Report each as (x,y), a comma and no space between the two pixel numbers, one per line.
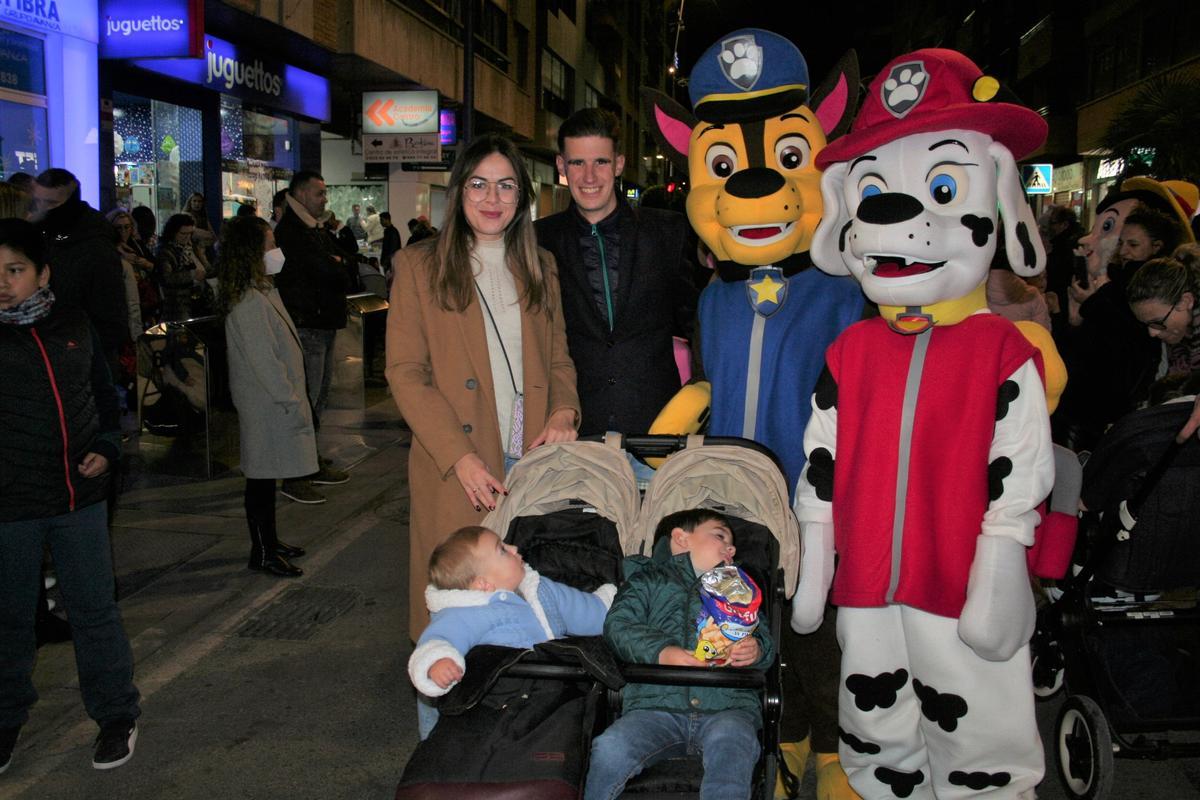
(749,74)
(934,90)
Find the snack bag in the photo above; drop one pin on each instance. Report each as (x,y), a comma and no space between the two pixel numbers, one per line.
(729,602)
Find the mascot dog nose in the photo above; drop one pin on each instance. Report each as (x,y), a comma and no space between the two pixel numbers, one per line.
(888,208)
(754,182)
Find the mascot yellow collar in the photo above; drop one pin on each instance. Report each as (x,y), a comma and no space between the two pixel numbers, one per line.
(918,319)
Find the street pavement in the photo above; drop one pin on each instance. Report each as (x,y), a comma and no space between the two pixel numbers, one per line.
(260,688)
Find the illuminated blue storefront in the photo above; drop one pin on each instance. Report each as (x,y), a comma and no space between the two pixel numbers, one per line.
(232,124)
(49,90)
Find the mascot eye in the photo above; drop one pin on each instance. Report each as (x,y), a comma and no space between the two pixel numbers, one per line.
(946,183)
(1108,225)
(792,152)
(721,160)
(871,185)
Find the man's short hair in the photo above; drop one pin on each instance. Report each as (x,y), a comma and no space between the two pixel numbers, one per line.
(56,178)
(279,200)
(591,122)
(301,178)
(689,519)
(22,180)
(452,563)
(385,215)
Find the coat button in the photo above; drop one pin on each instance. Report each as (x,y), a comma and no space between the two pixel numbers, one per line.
(695,702)
(467,429)
(472,383)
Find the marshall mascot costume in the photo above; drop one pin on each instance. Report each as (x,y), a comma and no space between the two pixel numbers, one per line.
(929,443)
(764,324)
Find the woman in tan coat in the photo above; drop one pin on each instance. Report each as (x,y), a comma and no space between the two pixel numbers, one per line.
(476,352)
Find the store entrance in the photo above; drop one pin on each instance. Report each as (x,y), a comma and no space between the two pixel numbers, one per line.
(157,153)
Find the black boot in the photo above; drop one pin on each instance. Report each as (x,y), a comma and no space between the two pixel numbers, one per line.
(289,550)
(263,555)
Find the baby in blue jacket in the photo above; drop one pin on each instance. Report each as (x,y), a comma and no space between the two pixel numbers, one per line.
(482,592)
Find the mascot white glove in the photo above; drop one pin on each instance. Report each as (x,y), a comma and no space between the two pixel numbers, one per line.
(998,617)
(816,575)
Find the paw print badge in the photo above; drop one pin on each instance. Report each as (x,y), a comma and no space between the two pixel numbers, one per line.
(904,88)
(741,61)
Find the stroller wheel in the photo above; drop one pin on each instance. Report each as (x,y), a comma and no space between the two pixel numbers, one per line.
(1048,673)
(1083,749)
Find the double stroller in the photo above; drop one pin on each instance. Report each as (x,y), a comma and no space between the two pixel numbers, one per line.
(520,724)
(1122,634)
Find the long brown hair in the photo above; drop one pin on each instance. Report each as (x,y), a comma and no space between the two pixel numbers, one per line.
(451,281)
(241,265)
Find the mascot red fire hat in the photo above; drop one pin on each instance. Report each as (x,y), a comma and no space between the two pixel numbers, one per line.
(933,90)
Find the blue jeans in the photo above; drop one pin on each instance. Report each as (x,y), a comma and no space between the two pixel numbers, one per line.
(317,344)
(727,742)
(79,544)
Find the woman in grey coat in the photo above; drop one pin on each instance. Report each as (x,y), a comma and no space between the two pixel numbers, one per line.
(266,378)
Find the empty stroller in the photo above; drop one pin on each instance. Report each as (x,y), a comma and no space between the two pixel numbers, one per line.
(520,725)
(1124,636)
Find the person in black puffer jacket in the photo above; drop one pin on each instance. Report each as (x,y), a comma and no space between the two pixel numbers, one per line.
(59,433)
(84,263)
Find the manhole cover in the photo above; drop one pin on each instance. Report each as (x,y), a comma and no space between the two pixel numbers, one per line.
(299,611)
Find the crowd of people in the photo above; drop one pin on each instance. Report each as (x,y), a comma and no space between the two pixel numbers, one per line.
(503,335)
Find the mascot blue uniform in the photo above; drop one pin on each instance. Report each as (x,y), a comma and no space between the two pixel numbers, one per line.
(765,323)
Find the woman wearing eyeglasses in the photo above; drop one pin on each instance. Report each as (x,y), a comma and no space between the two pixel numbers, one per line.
(1162,295)
(476,352)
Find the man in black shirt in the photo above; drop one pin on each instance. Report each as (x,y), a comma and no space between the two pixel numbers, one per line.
(624,277)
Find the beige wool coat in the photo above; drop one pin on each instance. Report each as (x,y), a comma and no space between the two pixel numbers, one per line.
(440,374)
(266,379)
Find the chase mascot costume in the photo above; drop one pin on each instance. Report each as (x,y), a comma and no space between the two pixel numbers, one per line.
(929,444)
(765,323)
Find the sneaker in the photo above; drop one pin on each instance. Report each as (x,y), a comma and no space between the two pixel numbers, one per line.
(301,491)
(114,744)
(8,743)
(330,475)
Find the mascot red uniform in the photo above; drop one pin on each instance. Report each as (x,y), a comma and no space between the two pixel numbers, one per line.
(766,320)
(929,444)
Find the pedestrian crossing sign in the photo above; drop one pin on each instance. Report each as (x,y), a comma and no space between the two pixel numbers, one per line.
(1038,178)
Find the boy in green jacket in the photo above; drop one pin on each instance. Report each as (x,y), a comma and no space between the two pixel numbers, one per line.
(653,621)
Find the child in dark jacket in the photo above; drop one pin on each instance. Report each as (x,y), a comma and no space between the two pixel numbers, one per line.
(482,592)
(59,436)
(653,620)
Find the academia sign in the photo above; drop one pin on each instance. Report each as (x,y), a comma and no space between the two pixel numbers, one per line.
(400,112)
(169,29)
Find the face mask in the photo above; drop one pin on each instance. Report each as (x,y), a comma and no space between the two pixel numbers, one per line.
(274,261)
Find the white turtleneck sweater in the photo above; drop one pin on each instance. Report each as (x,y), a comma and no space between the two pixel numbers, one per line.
(498,291)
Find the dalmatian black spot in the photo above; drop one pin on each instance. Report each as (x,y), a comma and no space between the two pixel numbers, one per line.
(842,236)
(879,690)
(979,780)
(826,391)
(901,783)
(858,745)
(981,228)
(1027,251)
(1009,391)
(820,473)
(944,709)
(998,470)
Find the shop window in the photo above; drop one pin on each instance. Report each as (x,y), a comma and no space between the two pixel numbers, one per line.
(23,144)
(157,154)
(258,156)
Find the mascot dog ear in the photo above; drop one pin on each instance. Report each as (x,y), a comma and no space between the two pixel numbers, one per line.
(1026,255)
(671,125)
(837,97)
(830,251)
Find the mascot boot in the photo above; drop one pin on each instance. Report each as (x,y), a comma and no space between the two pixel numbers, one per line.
(795,758)
(832,783)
